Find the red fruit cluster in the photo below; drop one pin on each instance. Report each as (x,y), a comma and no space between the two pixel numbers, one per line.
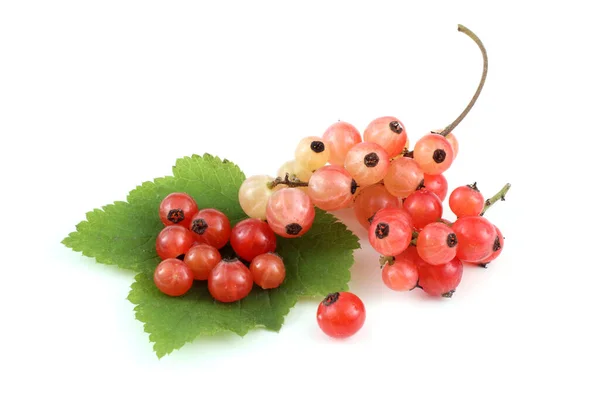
(190,246)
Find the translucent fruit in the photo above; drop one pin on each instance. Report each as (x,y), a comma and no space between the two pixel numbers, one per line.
(389,133)
(331,188)
(367,163)
(341,137)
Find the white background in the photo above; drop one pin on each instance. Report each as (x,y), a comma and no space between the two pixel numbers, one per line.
(97,97)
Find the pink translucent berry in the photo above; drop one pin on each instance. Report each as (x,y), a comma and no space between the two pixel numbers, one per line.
(331,188)
(433,153)
(389,133)
(390,233)
(340,137)
(290,212)
(437,243)
(403,177)
(367,163)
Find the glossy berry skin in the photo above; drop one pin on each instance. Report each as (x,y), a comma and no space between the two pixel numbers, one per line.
(312,153)
(331,188)
(230,281)
(496,249)
(424,208)
(341,315)
(437,243)
(173,277)
(476,237)
(442,279)
(436,184)
(392,212)
(252,237)
(254,195)
(290,212)
(433,153)
(466,201)
(341,137)
(212,227)
(367,163)
(402,275)
(370,200)
(389,133)
(390,232)
(201,259)
(403,177)
(177,209)
(268,270)
(451,138)
(173,241)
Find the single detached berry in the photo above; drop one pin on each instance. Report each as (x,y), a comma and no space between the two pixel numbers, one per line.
(341,315)
(212,227)
(201,259)
(290,212)
(389,133)
(331,188)
(340,138)
(173,277)
(173,241)
(230,281)
(268,270)
(177,209)
(252,237)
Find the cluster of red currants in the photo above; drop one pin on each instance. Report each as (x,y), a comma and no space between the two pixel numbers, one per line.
(190,246)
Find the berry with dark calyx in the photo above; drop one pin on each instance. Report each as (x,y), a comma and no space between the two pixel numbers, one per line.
(390,232)
(367,163)
(341,314)
(252,237)
(173,241)
(424,208)
(436,184)
(268,270)
(433,153)
(173,277)
(476,237)
(466,201)
(201,259)
(212,227)
(372,199)
(229,281)
(389,133)
(340,138)
(437,243)
(177,209)
(331,188)
(290,212)
(496,249)
(312,153)
(403,177)
(442,279)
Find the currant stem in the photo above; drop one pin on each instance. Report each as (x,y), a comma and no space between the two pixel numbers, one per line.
(294,182)
(386,260)
(498,196)
(457,121)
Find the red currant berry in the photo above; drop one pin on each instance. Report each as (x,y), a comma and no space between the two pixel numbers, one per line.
(424,208)
(402,275)
(177,208)
(437,243)
(466,201)
(173,241)
(201,259)
(497,249)
(252,237)
(229,281)
(212,227)
(476,237)
(442,279)
(267,270)
(173,277)
(341,315)
(436,184)
(390,232)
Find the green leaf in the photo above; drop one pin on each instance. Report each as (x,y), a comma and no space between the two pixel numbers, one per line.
(316,264)
(124,234)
